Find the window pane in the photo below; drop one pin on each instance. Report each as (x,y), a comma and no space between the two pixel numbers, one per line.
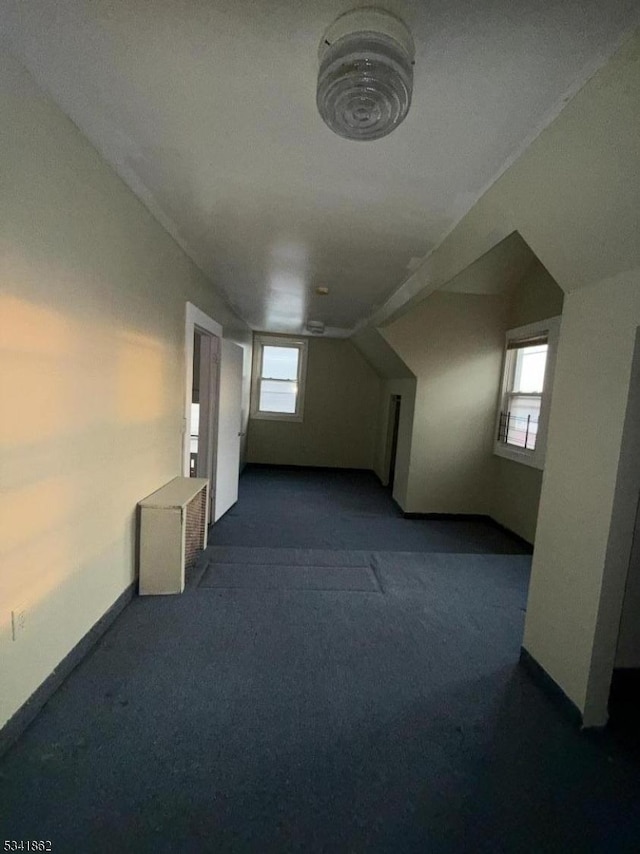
(521,421)
(278,396)
(280,363)
(529,371)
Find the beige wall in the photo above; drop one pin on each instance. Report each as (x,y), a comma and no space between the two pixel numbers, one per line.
(453,344)
(628,494)
(514,489)
(513,496)
(406,389)
(92,314)
(628,647)
(99,289)
(340,414)
(582,551)
(396,379)
(536,296)
(574,196)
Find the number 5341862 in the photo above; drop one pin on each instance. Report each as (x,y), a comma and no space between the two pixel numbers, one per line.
(27,845)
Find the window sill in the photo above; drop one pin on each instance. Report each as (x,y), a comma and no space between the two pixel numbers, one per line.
(276,416)
(516,455)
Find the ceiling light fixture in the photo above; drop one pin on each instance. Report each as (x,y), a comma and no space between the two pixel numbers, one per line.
(316,327)
(365,79)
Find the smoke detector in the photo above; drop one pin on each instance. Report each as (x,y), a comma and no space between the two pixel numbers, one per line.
(365,79)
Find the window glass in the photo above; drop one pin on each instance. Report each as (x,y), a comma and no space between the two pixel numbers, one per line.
(278,378)
(520,415)
(278,396)
(280,363)
(524,402)
(521,421)
(530,365)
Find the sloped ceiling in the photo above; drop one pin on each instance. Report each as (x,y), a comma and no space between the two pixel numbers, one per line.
(381,355)
(206,108)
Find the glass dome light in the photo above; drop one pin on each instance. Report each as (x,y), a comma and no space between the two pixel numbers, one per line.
(365,79)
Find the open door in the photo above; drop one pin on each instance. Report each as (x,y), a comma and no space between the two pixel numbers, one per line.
(227,463)
(202,361)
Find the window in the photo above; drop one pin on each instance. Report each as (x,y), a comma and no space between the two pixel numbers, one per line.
(527,379)
(279,369)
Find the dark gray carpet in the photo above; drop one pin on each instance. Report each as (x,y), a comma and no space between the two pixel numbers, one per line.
(287,569)
(284,720)
(342,509)
(234,576)
(292,557)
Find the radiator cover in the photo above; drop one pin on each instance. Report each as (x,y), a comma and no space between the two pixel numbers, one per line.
(173,530)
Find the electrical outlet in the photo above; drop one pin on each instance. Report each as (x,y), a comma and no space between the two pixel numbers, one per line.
(18,621)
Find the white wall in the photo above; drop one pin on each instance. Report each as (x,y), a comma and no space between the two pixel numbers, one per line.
(92,314)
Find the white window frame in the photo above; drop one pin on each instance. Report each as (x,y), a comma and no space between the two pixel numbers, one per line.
(261,341)
(530,457)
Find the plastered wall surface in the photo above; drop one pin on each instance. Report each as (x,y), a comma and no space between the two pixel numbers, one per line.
(396,379)
(627,494)
(439,337)
(340,414)
(453,344)
(99,288)
(577,584)
(574,196)
(628,649)
(406,389)
(515,488)
(92,313)
(536,296)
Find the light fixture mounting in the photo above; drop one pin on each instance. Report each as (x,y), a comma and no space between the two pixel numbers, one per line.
(365,80)
(315,327)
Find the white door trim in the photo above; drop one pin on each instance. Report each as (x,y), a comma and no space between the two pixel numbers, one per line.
(194,317)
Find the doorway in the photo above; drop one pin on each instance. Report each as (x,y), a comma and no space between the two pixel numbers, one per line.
(204,394)
(393,429)
(202,360)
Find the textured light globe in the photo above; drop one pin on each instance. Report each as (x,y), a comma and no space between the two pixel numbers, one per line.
(365,79)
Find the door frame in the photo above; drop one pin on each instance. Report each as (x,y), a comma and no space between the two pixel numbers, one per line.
(197,320)
(393,433)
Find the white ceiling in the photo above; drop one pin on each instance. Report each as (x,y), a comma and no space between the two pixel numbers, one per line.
(206,108)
